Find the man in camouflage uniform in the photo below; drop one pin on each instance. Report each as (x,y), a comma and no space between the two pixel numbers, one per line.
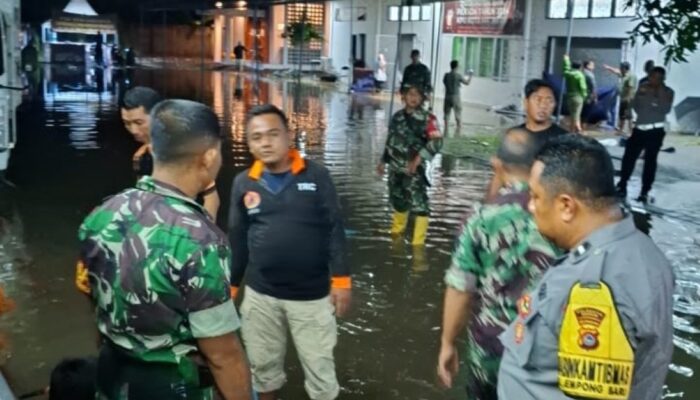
(413,140)
(158,273)
(499,256)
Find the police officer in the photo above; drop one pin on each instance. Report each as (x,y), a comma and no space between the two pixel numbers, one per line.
(599,323)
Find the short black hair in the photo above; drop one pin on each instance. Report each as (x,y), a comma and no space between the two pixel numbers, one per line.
(581,167)
(140,96)
(587,63)
(180,128)
(625,66)
(658,70)
(454,64)
(266,109)
(649,65)
(415,53)
(535,85)
(576,65)
(517,149)
(74,379)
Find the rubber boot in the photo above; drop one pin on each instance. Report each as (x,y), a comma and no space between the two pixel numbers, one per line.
(420,231)
(399,222)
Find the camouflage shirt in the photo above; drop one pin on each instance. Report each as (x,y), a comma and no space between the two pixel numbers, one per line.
(499,256)
(408,137)
(158,273)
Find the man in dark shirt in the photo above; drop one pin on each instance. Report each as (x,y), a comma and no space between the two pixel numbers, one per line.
(135,110)
(539,105)
(589,73)
(239,51)
(287,233)
(417,75)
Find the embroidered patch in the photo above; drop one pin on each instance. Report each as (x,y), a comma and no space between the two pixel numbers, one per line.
(251,200)
(306,187)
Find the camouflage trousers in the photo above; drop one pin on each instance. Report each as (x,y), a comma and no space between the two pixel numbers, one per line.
(409,192)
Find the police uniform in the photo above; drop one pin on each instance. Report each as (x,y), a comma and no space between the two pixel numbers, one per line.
(559,347)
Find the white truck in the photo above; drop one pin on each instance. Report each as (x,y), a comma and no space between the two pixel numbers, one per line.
(10,79)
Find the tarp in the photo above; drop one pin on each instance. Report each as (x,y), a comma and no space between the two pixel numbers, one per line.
(602,110)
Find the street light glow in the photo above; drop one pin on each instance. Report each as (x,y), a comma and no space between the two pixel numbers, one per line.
(219,4)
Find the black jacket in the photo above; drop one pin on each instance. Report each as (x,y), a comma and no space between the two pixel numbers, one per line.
(290,243)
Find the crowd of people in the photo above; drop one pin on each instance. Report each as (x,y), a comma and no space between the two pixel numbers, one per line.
(561,296)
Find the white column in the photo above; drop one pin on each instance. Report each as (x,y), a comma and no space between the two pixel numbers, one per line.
(228,38)
(218,37)
(285,52)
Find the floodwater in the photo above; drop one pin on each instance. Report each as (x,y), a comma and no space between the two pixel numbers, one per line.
(73,152)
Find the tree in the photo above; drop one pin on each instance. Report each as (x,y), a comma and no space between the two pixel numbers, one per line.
(675,24)
(300,33)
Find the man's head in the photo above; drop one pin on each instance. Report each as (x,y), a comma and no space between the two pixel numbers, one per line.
(515,156)
(136,106)
(657,76)
(267,131)
(454,64)
(576,65)
(415,56)
(413,97)
(74,379)
(625,67)
(186,136)
(539,101)
(589,65)
(571,182)
(648,66)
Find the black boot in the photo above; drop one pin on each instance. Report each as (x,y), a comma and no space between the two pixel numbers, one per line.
(621,191)
(643,198)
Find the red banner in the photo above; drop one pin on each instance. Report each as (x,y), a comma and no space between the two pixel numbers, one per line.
(484,17)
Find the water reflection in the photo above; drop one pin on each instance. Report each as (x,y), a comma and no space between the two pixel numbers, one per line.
(388,346)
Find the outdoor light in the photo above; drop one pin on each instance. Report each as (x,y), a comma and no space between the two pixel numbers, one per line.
(219,4)
(241,4)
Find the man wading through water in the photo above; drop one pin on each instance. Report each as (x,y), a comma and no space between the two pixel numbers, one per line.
(135,111)
(157,271)
(539,105)
(499,255)
(287,234)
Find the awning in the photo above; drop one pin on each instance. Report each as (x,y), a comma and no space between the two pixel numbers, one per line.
(79,7)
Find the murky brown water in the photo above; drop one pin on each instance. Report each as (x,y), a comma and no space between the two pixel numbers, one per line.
(74,151)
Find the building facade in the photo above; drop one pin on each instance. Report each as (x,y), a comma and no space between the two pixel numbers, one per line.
(262,31)
(505,42)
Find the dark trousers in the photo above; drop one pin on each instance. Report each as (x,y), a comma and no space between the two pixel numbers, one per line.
(650,142)
(120,377)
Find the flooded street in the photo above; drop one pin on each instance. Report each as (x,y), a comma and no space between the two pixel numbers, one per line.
(74,151)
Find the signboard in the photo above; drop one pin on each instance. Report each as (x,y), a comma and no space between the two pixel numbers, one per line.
(484,17)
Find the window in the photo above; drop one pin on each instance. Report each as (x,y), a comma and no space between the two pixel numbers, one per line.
(601,8)
(621,10)
(411,13)
(558,9)
(487,56)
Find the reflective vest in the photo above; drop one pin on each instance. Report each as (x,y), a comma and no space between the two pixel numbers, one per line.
(596,360)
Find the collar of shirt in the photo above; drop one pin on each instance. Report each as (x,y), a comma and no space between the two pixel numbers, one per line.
(298,165)
(513,188)
(603,237)
(148,184)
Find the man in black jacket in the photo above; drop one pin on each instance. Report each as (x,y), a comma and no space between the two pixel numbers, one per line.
(288,239)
